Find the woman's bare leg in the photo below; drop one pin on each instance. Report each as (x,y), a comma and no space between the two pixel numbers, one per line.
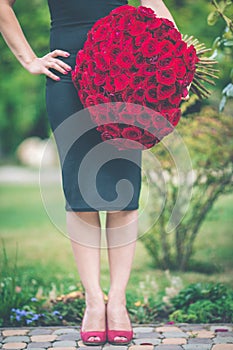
(121,234)
(85,233)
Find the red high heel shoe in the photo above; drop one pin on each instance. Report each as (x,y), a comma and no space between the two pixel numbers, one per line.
(86,335)
(111,334)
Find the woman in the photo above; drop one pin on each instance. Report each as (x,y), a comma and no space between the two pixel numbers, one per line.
(70,22)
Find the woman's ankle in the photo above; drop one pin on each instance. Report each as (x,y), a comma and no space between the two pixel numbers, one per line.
(117,296)
(94,298)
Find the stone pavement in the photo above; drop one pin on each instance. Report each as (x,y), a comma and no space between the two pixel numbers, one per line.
(146,337)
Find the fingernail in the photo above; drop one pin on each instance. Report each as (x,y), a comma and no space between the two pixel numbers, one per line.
(58,79)
(69,69)
(67,54)
(65,72)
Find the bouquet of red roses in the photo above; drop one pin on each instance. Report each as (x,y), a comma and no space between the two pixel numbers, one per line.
(135,57)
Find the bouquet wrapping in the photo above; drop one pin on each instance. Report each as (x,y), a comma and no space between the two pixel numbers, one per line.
(135,57)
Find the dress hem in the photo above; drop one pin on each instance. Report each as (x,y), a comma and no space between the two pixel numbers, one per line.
(95,210)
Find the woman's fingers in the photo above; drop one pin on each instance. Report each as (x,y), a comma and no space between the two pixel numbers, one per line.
(52,62)
(51,75)
(62,64)
(57,52)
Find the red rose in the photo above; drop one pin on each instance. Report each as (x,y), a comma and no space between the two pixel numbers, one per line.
(166,48)
(158,121)
(174,116)
(109,84)
(151,81)
(139,94)
(136,80)
(126,22)
(190,57)
(117,36)
(106,136)
(91,67)
(156,23)
(114,70)
(113,52)
(99,78)
(101,32)
(144,118)
(165,62)
(139,60)
(99,98)
(102,61)
(123,9)
(127,94)
(180,48)
(175,99)
(141,38)
(90,100)
(113,129)
(132,133)
(166,76)
(147,70)
(125,59)
(145,12)
(150,47)
(179,67)
(151,94)
(138,28)
(148,138)
(174,35)
(121,82)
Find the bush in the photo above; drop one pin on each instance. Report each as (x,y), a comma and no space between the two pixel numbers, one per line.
(204,303)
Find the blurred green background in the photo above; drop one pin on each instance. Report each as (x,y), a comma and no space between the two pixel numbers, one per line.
(43,251)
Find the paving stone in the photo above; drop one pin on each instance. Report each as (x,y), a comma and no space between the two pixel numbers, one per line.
(175,334)
(147,335)
(197,346)
(191,327)
(12,332)
(115,347)
(95,347)
(168,329)
(143,329)
(168,347)
(12,346)
(177,341)
(43,338)
(43,345)
(17,339)
(224,334)
(35,349)
(141,347)
(64,344)
(220,328)
(200,341)
(40,331)
(223,347)
(202,334)
(223,340)
(65,330)
(69,336)
(147,341)
(71,348)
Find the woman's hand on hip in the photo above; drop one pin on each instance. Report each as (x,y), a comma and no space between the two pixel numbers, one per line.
(41,65)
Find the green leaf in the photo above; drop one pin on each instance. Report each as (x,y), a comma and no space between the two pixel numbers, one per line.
(212,18)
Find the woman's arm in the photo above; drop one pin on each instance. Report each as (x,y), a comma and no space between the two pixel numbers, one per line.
(159,8)
(16,41)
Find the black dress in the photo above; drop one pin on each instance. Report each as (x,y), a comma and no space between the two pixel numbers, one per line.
(111,179)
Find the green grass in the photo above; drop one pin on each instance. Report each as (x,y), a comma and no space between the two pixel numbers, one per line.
(45,255)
